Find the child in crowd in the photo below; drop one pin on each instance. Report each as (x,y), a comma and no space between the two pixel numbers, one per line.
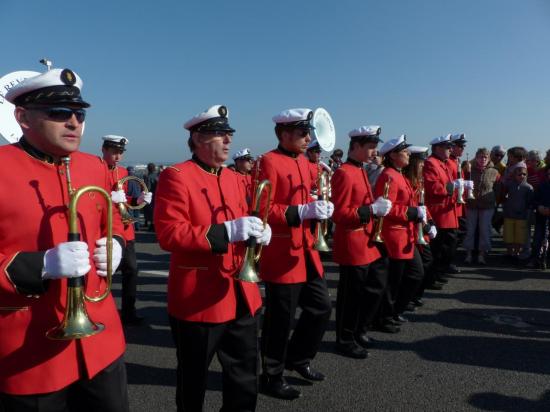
(517,202)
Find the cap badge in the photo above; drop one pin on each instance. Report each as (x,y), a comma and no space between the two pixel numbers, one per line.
(309,116)
(222,111)
(68,77)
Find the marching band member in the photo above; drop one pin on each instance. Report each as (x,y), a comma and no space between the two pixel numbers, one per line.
(38,373)
(113,152)
(243,166)
(290,267)
(200,216)
(440,186)
(398,232)
(363,274)
(413,173)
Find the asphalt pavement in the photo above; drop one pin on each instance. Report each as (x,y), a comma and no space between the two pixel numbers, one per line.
(480,344)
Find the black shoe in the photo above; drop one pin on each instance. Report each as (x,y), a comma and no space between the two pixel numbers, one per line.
(435,286)
(400,319)
(411,307)
(363,340)
(418,302)
(452,269)
(387,328)
(278,387)
(441,279)
(132,320)
(307,372)
(351,350)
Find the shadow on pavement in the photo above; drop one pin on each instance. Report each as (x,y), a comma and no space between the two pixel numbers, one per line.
(491,401)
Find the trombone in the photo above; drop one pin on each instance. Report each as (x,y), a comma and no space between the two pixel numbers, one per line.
(249,272)
(76,323)
(380,220)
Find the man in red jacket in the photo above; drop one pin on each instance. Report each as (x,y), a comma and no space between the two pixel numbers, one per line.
(36,261)
(290,267)
(440,186)
(243,166)
(113,152)
(201,218)
(363,274)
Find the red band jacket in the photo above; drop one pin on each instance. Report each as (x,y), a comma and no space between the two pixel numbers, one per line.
(117,173)
(439,193)
(352,197)
(191,203)
(284,260)
(399,225)
(33,219)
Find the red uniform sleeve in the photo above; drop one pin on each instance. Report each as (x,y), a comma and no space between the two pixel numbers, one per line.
(398,212)
(433,182)
(277,211)
(175,231)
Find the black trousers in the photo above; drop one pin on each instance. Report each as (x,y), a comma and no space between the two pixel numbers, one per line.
(360,291)
(405,277)
(427,261)
(106,392)
(236,345)
(128,268)
(443,250)
(281,303)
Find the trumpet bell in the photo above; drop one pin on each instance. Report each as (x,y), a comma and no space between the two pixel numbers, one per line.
(76,323)
(321,244)
(324,130)
(248,272)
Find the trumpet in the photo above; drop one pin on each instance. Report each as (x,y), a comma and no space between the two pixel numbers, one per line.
(420,226)
(380,221)
(76,323)
(321,227)
(124,207)
(248,272)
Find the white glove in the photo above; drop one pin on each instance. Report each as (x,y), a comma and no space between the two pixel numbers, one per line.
(422,214)
(100,256)
(432,232)
(469,184)
(381,206)
(317,209)
(118,196)
(265,238)
(458,183)
(145,197)
(242,228)
(66,260)
(330,208)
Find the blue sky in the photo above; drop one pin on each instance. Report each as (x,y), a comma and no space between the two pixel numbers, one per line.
(419,67)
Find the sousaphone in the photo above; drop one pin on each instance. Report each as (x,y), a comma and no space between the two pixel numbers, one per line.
(325,134)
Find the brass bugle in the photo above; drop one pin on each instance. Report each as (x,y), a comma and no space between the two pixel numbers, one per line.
(321,227)
(76,323)
(470,195)
(124,207)
(420,226)
(380,220)
(249,272)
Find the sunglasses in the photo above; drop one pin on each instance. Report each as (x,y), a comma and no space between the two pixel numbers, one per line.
(62,114)
(303,132)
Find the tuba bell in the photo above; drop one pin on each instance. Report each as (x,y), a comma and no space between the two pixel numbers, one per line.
(76,323)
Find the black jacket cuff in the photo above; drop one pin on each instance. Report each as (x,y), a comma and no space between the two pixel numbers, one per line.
(412,213)
(292,216)
(218,238)
(450,188)
(120,240)
(364,214)
(25,271)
